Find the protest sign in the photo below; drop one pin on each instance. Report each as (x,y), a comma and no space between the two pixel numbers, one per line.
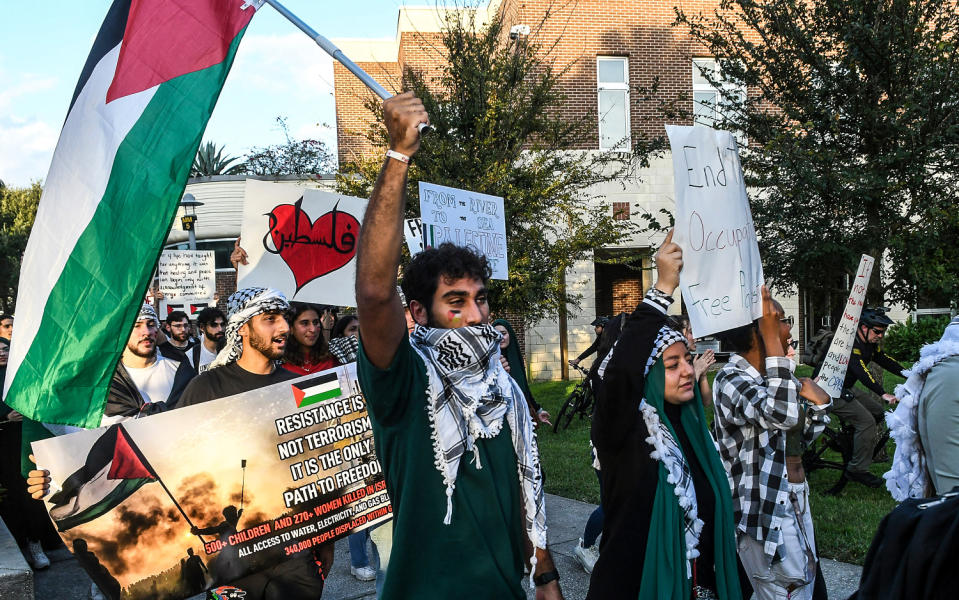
(186,275)
(413,233)
(465,218)
(244,483)
(301,241)
(833,370)
(722,273)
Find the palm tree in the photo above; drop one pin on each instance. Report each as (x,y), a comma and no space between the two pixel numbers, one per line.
(210,161)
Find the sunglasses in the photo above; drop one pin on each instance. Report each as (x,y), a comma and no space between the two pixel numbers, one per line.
(794,344)
(788,320)
(878,331)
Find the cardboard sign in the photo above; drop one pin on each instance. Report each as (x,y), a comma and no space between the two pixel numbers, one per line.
(301,241)
(413,233)
(187,275)
(264,477)
(465,218)
(833,370)
(722,273)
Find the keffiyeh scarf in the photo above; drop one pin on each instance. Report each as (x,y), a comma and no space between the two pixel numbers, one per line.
(242,306)
(469,395)
(147,312)
(909,475)
(345,349)
(667,451)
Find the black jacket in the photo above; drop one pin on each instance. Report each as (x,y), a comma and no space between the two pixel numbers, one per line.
(124,398)
(862,354)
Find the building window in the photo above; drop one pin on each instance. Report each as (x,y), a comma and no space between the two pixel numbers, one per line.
(612,85)
(707,107)
(621,211)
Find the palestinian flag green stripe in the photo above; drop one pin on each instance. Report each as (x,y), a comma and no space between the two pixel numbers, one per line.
(120,493)
(89,309)
(334,393)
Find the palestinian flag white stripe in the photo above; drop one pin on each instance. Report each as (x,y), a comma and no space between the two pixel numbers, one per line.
(75,184)
(136,120)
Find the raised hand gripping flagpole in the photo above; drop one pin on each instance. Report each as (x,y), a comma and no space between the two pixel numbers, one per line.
(332,50)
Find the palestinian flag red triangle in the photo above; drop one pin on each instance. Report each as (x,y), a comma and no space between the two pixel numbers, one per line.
(168,38)
(126,462)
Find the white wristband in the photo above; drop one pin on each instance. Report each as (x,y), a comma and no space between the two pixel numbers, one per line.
(400,157)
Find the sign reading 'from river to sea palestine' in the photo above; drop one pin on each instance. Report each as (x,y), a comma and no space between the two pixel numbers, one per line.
(834,367)
(301,241)
(468,219)
(722,274)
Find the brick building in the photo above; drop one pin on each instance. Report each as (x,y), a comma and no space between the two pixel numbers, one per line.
(610,47)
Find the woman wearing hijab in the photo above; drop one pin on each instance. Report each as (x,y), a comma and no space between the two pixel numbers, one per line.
(509,349)
(668,531)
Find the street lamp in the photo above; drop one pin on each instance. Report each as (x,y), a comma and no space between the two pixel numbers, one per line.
(188,220)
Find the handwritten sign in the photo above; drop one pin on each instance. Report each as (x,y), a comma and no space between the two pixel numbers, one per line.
(413,233)
(465,218)
(722,273)
(187,275)
(833,370)
(301,241)
(265,476)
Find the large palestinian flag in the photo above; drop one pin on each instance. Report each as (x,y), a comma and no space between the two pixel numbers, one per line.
(133,127)
(114,469)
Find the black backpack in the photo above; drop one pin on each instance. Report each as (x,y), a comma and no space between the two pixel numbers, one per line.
(817,348)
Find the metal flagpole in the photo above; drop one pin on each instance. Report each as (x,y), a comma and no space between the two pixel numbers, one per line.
(242,485)
(146,463)
(333,51)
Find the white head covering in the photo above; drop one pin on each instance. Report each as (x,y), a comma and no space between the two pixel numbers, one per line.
(147,312)
(243,305)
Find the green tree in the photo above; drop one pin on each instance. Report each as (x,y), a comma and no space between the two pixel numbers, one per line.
(293,157)
(18,209)
(852,119)
(210,161)
(499,128)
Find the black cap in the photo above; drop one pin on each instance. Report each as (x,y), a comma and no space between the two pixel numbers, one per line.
(875,317)
(600,322)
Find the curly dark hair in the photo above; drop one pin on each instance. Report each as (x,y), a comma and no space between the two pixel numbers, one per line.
(739,339)
(421,277)
(208,315)
(294,350)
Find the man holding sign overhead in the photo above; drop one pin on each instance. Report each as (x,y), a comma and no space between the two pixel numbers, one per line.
(452,431)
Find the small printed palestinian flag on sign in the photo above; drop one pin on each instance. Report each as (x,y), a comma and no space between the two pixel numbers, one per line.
(114,469)
(319,388)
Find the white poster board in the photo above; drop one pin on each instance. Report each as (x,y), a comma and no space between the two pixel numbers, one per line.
(301,241)
(413,232)
(722,273)
(833,370)
(465,218)
(186,275)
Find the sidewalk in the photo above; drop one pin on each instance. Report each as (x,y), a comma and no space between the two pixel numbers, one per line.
(65,580)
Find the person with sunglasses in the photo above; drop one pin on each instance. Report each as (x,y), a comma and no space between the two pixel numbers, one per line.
(859,406)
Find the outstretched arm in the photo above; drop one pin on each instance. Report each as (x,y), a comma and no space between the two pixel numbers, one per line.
(378,306)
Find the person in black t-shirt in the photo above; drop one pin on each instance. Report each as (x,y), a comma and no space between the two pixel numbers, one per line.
(255,339)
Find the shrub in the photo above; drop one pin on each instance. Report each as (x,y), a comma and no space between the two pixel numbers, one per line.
(904,340)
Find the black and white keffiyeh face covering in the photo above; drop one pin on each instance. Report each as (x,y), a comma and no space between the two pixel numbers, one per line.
(345,348)
(469,395)
(242,306)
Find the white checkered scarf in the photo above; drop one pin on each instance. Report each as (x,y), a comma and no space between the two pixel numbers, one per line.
(908,476)
(242,306)
(469,393)
(667,451)
(345,348)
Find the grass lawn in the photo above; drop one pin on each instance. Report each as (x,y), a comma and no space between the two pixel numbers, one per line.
(844,525)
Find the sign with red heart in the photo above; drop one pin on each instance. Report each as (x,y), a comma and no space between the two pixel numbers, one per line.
(301,241)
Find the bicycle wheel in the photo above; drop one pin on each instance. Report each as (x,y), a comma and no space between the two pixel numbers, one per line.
(566,413)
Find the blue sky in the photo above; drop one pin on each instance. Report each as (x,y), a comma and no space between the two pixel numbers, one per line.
(278,72)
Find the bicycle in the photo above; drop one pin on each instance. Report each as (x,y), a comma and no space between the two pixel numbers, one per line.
(579,401)
(839,440)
